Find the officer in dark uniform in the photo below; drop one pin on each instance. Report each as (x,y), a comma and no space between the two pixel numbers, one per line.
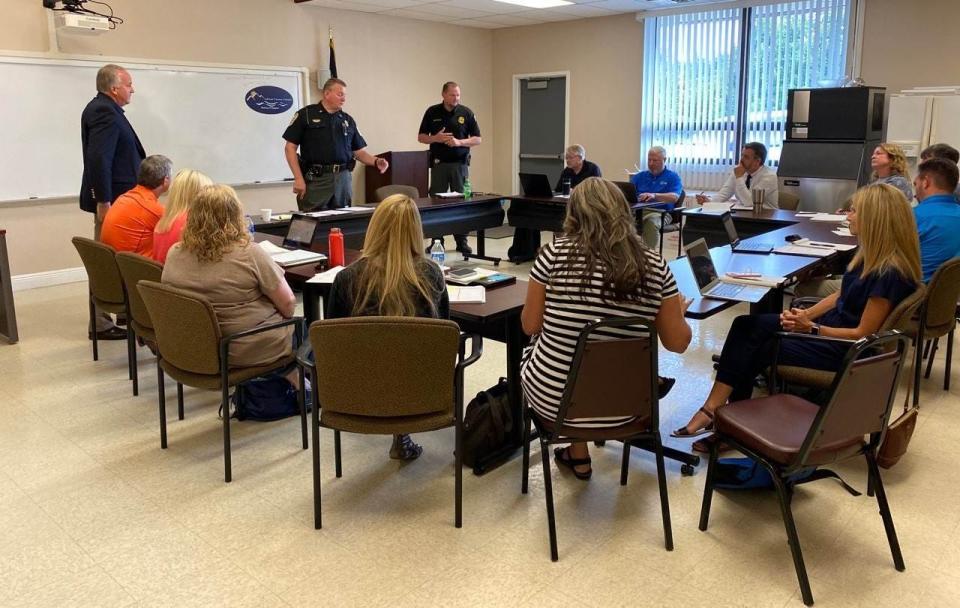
(330,146)
(451,130)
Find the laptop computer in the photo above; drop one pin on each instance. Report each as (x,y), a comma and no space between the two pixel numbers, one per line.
(536,184)
(297,243)
(735,243)
(629,191)
(710,284)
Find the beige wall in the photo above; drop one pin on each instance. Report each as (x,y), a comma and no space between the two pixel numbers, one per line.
(394,67)
(909,44)
(605,59)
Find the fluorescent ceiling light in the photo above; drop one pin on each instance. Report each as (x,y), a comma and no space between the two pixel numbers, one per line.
(537,3)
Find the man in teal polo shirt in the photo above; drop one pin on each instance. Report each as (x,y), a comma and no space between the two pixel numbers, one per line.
(938,214)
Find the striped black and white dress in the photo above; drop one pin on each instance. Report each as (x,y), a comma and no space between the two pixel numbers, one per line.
(570,305)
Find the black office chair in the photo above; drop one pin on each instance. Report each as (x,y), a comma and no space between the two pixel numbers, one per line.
(676,223)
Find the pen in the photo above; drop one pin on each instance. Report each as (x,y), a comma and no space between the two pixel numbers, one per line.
(817,245)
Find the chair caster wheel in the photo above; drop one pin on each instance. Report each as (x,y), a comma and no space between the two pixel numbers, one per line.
(600,443)
(686,470)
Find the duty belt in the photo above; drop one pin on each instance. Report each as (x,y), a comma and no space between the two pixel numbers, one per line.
(318,170)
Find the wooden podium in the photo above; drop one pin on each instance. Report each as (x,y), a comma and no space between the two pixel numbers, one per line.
(406,168)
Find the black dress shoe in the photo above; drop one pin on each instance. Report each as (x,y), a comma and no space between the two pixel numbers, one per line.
(114,333)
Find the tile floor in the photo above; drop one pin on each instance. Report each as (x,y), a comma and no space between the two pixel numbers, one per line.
(93,513)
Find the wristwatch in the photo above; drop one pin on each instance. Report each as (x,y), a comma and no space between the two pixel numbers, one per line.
(815,329)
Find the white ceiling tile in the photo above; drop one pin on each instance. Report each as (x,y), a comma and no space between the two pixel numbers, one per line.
(585,10)
(453,12)
(409,13)
(489,6)
(544,15)
(511,20)
(389,4)
(477,23)
(620,6)
(344,5)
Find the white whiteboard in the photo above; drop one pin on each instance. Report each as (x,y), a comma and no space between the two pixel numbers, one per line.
(196,115)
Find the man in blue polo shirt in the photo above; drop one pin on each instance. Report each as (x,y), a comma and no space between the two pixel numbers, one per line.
(659,184)
(942,151)
(938,214)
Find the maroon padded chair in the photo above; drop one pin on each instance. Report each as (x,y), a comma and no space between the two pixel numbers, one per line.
(786,434)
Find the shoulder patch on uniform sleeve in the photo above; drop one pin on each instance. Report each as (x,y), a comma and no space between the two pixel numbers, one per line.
(296,115)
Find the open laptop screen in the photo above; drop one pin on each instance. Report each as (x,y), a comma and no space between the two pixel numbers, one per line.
(701,264)
(300,233)
(732,235)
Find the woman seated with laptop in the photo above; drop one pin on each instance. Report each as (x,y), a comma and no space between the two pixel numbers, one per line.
(884,271)
(599,268)
(392,278)
(216,259)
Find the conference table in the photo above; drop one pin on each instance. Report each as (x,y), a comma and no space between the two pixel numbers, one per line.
(496,319)
(440,216)
(766,226)
(548,212)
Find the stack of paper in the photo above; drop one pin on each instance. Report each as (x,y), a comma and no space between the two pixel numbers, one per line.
(828,217)
(466,295)
(326,276)
(821,244)
(761,281)
(448,194)
(812,252)
(717,207)
(841,231)
(290,257)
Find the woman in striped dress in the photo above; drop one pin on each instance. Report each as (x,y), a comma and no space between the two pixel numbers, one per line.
(599,268)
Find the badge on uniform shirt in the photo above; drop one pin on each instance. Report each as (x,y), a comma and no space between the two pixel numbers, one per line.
(294,119)
(461,120)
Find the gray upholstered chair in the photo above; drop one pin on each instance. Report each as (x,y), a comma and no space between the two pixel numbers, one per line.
(788,201)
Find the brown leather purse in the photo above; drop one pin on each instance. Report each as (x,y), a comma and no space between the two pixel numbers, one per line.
(899,432)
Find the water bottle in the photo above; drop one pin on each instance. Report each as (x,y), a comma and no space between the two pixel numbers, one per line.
(335,247)
(467,189)
(437,254)
(251,228)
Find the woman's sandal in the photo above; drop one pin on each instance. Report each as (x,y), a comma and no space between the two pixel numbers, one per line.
(562,455)
(404,448)
(683,433)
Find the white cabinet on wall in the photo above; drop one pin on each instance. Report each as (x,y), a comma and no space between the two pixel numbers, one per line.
(920,117)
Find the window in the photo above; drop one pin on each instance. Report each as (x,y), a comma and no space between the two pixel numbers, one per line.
(703,97)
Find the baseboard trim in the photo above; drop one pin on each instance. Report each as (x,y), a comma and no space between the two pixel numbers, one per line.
(49,278)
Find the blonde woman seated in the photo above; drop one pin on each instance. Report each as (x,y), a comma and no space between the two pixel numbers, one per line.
(884,271)
(889,164)
(392,278)
(599,268)
(183,191)
(216,259)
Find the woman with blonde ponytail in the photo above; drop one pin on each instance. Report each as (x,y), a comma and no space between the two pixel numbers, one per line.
(392,278)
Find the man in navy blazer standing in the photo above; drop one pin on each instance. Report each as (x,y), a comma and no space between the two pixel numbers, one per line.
(111,157)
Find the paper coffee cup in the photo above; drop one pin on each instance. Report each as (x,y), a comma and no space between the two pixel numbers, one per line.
(266,214)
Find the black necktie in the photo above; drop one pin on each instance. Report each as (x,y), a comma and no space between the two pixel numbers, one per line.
(749,177)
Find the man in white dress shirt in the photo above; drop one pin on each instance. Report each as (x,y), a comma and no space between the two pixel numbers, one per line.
(750,174)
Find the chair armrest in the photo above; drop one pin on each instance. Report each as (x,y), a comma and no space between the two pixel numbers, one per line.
(805,302)
(225,341)
(476,349)
(789,334)
(305,356)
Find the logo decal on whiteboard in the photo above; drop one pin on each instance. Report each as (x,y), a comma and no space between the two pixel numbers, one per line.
(269,100)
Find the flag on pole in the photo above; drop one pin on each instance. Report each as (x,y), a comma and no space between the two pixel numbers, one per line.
(333,57)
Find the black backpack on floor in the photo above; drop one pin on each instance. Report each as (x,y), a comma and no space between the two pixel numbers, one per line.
(487,423)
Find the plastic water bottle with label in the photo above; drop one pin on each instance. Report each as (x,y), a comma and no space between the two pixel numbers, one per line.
(251,228)
(467,189)
(437,254)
